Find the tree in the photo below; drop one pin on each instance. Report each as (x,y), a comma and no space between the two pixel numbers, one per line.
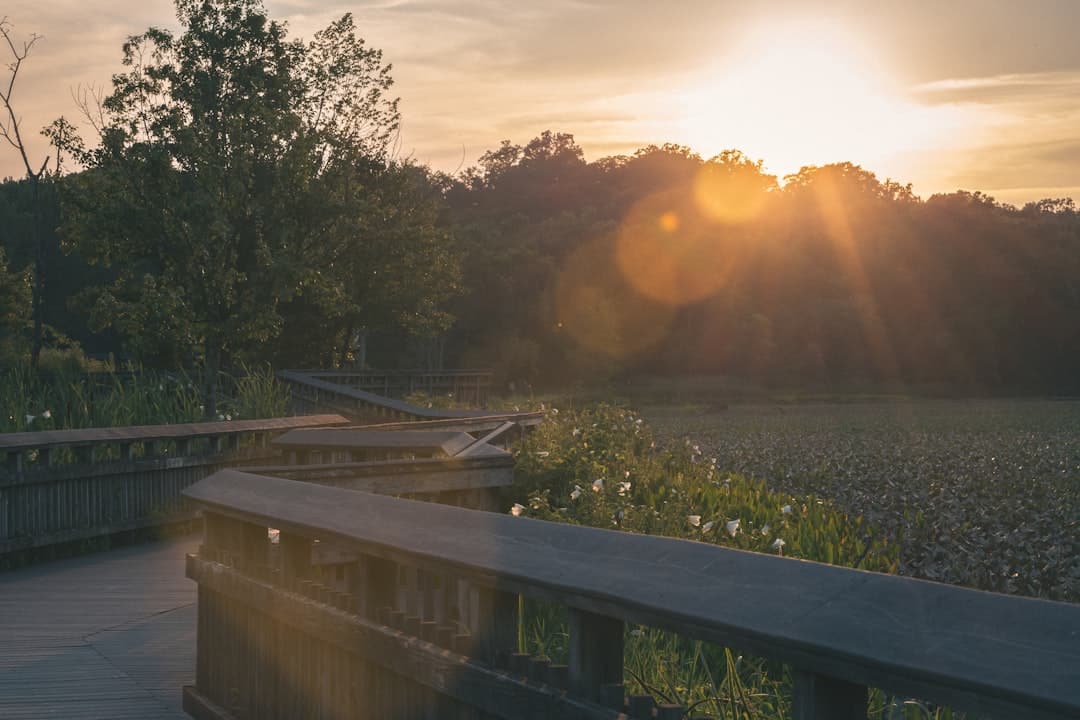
(207,193)
(12,132)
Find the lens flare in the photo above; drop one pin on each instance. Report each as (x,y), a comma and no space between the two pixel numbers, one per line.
(600,310)
(724,196)
(668,252)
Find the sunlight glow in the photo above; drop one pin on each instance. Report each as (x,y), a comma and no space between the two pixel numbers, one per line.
(805,93)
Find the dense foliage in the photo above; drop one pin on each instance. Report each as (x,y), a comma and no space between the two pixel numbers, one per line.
(242,202)
(666,263)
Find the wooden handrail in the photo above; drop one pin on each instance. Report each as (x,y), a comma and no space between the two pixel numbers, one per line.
(378,401)
(842,630)
(10,442)
(63,486)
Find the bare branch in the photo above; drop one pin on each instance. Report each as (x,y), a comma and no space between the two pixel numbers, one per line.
(9,130)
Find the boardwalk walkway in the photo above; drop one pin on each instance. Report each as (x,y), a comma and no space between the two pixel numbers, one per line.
(106,635)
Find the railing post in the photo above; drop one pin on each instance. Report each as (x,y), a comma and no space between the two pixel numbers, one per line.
(595,652)
(496,629)
(819,697)
(295,558)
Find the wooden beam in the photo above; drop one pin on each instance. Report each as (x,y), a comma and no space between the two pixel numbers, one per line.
(977,651)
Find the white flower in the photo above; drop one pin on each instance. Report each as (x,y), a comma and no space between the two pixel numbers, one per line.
(778,545)
(543,453)
(732,527)
(765,529)
(598,485)
(576,493)
(694,520)
(624,487)
(707,526)
(228,417)
(577,431)
(554,411)
(30,419)
(46,414)
(220,416)
(636,632)
(786,509)
(516,510)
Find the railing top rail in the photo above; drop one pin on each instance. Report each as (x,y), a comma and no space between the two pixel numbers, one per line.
(978,651)
(479,423)
(138,433)
(399,466)
(447,441)
(377,400)
(397,373)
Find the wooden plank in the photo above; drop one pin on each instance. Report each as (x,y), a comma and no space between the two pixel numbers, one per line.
(395,477)
(429,442)
(375,401)
(485,441)
(140,433)
(405,657)
(978,651)
(109,635)
(477,424)
(817,697)
(595,653)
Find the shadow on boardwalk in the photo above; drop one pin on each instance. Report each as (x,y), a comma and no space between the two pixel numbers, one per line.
(107,635)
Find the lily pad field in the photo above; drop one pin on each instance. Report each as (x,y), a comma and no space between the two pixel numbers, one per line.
(984,494)
(981,493)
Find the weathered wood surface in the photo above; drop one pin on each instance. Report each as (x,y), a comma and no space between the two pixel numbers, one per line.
(110,635)
(142,433)
(478,424)
(469,386)
(349,665)
(418,442)
(400,477)
(349,400)
(109,489)
(980,652)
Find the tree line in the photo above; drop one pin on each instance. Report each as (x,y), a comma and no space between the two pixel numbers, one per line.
(241,200)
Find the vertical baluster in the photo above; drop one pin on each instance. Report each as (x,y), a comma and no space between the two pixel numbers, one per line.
(595,652)
(497,629)
(817,697)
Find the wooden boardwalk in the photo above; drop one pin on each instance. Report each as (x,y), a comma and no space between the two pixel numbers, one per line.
(107,635)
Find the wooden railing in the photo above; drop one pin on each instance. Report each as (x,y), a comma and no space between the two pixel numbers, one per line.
(466,386)
(462,481)
(312,391)
(59,486)
(416,617)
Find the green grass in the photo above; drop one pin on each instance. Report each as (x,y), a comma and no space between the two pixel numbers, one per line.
(31,401)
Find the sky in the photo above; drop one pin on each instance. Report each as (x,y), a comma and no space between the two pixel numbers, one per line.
(964,94)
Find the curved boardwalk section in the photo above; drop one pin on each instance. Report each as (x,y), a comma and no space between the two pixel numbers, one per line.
(108,635)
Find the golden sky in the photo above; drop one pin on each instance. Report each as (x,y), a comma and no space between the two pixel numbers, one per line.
(945,94)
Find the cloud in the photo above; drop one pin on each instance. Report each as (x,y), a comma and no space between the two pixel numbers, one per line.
(1017,88)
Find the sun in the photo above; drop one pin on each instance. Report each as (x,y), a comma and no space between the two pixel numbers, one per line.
(802,93)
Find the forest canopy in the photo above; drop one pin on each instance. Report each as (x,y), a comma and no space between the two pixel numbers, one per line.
(242,201)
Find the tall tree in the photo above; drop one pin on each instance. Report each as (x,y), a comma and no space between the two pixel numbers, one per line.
(11,131)
(207,190)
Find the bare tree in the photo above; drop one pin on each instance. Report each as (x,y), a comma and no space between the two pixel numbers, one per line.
(11,131)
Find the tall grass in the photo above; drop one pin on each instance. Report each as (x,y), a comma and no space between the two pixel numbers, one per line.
(69,398)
